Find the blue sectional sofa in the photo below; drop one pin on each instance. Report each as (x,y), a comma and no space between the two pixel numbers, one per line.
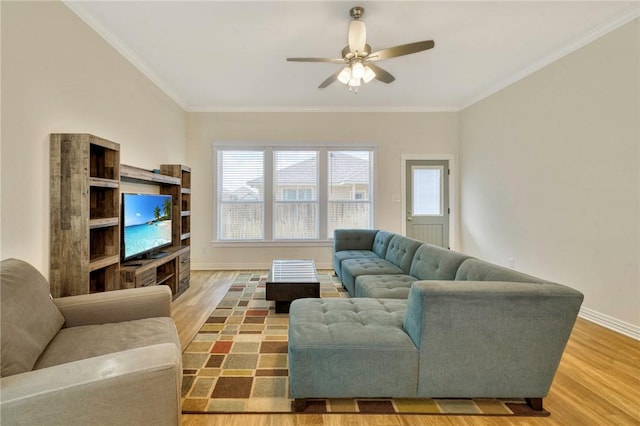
(427,322)
(380,264)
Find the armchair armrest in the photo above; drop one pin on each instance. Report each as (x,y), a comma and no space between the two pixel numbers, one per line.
(137,386)
(115,306)
(489,338)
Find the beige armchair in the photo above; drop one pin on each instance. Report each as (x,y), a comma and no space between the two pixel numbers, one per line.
(111,358)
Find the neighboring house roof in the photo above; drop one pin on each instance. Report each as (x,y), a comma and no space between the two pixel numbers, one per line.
(241,194)
(348,170)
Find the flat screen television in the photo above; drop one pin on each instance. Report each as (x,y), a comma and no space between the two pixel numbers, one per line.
(147,224)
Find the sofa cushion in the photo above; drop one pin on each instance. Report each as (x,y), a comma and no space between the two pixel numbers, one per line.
(335,346)
(352,243)
(351,268)
(339,256)
(381,243)
(436,263)
(353,239)
(401,250)
(29,317)
(478,270)
(384,286)
(87,341)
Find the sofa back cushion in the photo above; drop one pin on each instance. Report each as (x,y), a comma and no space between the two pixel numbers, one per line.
(28,316)
(436,263)
(381,243)
(401,250)
(353,239)
(478,270)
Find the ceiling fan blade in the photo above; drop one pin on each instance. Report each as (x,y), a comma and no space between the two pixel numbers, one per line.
(330,80)
(357,36)
(381,74)
(403,49)
(331,60)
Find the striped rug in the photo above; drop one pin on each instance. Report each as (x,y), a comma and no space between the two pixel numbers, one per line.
(237,363)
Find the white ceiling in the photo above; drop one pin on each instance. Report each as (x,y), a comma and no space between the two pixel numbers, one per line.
(230,55)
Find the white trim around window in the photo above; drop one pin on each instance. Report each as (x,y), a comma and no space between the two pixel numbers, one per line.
(255,184)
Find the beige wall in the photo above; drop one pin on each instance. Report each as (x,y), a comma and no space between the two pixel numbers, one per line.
(393,134)
(550,175)
(58,75)
(549,167)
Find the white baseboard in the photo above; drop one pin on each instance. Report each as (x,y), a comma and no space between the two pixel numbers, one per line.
(611,323)
(253,266)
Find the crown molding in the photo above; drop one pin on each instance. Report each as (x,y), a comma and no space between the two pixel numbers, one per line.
(117,44)
(405,109)
(583,40)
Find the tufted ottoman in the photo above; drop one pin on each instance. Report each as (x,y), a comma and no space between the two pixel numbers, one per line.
(339,348)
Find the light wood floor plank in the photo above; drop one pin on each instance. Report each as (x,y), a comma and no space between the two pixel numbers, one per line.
(597,383)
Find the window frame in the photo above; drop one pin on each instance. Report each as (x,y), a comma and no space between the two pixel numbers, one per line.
(270,200)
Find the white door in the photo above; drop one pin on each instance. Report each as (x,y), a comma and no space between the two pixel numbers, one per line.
(428,201)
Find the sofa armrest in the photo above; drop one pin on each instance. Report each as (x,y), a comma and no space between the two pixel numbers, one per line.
(489,338)
(137,386)
(115,306)
(353,239)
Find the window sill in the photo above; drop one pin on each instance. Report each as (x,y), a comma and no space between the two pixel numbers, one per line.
(262,244)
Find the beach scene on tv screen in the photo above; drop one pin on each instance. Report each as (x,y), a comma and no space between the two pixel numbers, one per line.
(147,222)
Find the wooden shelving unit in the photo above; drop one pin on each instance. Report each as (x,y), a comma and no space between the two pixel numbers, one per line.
(163,271)
(173,269)
(86,226)
(85,214)
(181,196)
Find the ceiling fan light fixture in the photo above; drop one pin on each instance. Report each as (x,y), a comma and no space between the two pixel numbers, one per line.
(357,70)
(345,75)
(358,59)
(368,75)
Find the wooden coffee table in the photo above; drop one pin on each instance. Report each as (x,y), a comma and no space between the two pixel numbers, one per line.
(291,279)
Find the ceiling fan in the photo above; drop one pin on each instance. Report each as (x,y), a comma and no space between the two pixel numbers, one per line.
(358,58)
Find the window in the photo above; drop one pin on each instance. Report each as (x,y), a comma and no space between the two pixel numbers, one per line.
(349,190)
(241,195)
(296,194)
(427,190)
(295,182)
(284,194)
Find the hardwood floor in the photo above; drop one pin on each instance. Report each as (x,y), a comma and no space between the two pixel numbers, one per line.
(597,383)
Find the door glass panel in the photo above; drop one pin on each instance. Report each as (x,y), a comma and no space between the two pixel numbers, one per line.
(427,191)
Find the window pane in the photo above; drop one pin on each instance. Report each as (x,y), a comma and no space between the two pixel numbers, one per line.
(295,193)
(241,195)
(348,215)
(296,174)
(241,221)
(427,182)
(349,175)
(349,190)
(294,221)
